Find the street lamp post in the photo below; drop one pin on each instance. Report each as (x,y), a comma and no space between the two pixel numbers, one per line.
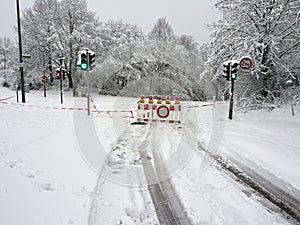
(20,53)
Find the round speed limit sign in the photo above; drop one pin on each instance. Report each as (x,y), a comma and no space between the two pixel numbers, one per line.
(245,63)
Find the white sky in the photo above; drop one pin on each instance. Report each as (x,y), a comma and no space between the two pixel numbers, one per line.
(185,16)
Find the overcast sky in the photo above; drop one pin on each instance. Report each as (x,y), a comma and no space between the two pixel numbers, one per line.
(185,16)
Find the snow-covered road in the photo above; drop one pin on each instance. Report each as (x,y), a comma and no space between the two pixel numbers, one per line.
(48,177)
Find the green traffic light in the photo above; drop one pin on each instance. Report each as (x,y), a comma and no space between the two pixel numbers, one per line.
(84,66)
(233,76)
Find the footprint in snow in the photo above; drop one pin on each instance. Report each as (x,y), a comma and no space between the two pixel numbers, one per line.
(28,175)
(15,163)
(47,187)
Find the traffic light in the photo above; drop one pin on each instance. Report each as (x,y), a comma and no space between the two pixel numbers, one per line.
(234,69)
(57,73)
(233,76)
(63,73)
(84,61)
(92,56)
(44,78)
(226,70)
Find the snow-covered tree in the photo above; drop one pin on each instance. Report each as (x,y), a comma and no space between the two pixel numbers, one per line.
(8,56)
(115,34)
(266,30)
(76,28)
(189,43)
(38,35)
(162,31)
(58,29)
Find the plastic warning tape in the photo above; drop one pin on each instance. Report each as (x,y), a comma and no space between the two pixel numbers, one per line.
(44,107)
(108,112)
(5,99)
(204,105)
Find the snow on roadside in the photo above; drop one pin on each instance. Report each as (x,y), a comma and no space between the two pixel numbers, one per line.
(211,195)
(269,143)
(45,178)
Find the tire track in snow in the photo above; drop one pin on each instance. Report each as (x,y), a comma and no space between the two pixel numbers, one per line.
(246,175)
(168,206)
(97,198)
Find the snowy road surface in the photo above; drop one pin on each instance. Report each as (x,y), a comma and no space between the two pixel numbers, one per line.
(46,178)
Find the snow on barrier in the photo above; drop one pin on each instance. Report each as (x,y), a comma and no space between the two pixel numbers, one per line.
(159,111)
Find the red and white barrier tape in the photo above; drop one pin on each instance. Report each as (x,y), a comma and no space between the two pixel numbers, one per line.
(100,112)
(204,105)
(5,99)
(108,112)
(44,107)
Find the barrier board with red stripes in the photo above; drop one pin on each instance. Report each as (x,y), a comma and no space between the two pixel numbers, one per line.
(158,112)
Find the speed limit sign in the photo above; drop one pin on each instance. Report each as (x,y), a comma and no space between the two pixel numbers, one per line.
(245,63)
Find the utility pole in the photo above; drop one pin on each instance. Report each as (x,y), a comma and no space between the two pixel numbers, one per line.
(20,53)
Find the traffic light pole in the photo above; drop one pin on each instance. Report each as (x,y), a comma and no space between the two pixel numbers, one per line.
(61,81)
(44,81)
(44,76)
(87,76)
(231,100)
(86,58)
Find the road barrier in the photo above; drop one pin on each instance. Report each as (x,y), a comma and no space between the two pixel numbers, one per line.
(152,110)
(159,111)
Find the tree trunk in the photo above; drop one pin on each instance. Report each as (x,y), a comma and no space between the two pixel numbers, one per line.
(265,71)
(216,89)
